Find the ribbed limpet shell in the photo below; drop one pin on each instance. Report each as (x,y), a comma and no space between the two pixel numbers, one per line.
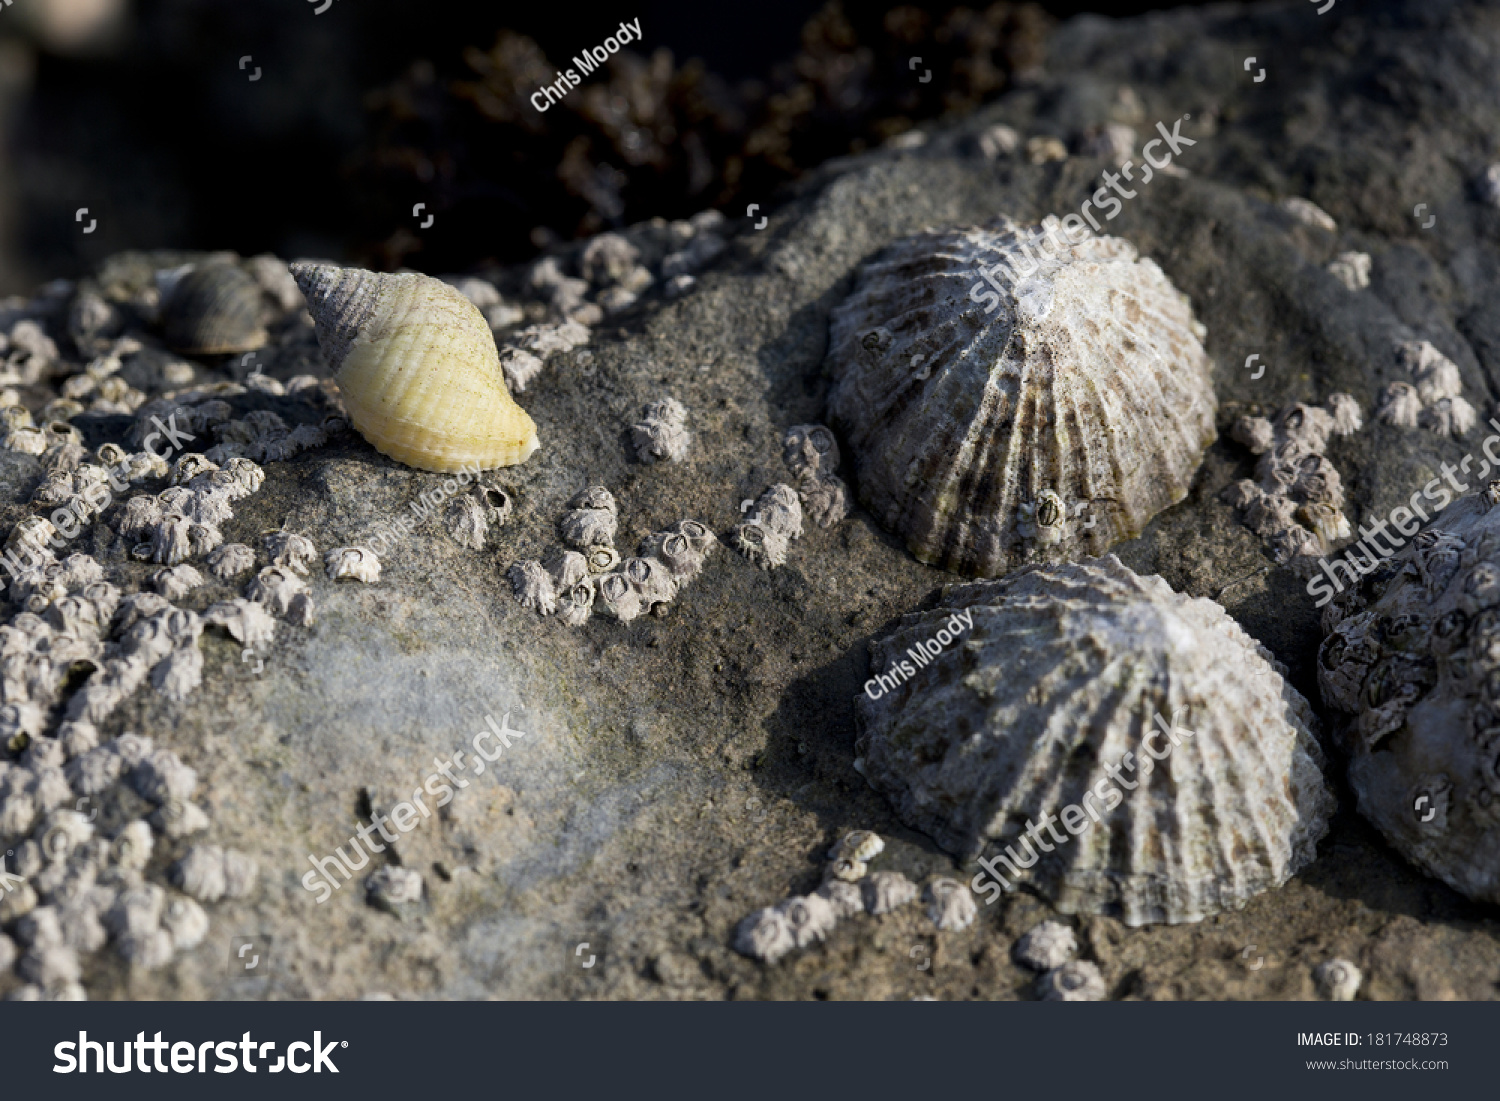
(1032,700)
(1084,392)
(417,368)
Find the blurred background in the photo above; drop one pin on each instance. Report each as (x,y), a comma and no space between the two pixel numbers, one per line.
(312,127)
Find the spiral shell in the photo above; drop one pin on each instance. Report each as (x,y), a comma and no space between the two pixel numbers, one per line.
(1044,698)
(983,422)
(417,367)
(213,310)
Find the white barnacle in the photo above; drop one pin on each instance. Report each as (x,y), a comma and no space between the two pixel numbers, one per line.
(825,499)
(247,475)
(1046,947)
(136,607)
(1435,375)
(50,967)
(1346,414)
(620,598)
(393,886)
(1074,981)
(139,517)
(675,551)
(651,579)
(779,509)
(95,770)
(1309,213)
(602,559)
(810,917)
(1351,269)
(764,547)
(885,891)
(275,587)
(136,911)
(77,738)
(1338,980)
(661,435)
(186,922)
(466,521)
(845,898)
(1448,417)
(588,527)
(175,582)
(533,586)
(861,845)
(169,541)
(178,820)
(230,560)
(286,548)
(764,935)
(359,563)
(179,674)
(567,568)
(247,622)
(845,870)
(161,776)
(131,847)
(189,466)
(576,603)
(1399,405)
(201,873)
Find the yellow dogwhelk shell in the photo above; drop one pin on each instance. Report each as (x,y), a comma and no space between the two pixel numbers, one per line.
(417,366)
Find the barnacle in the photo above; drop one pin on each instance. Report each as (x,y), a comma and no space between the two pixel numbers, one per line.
(1338,980)
(1046,947)
(950,905)
(286,548)
(276,588)
(885,891)
(230,560)
(1074,981)
(533,586)
(175,582)
(359,563)
(661,435)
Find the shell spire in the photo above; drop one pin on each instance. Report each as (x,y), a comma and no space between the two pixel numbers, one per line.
(418,369)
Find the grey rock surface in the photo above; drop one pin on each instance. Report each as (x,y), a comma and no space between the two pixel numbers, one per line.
(676,774)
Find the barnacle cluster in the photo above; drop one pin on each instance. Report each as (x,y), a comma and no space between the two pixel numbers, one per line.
(79,646)
(801,920)
(774,520)
(469,516)
(1433,399)
(812,455)
(1295,504)
(572,582)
